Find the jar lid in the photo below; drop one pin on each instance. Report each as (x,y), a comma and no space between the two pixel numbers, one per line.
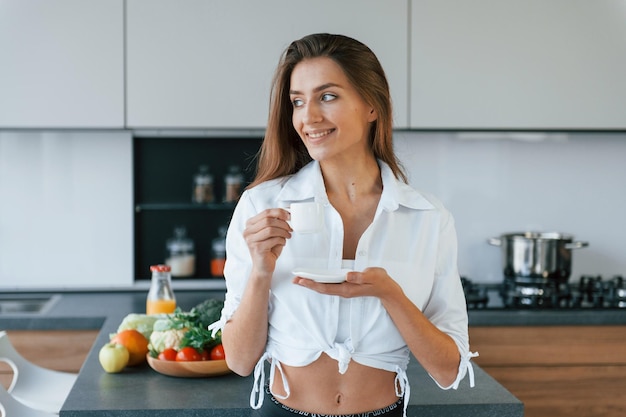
(160,268)
(178,245)
(203,177)
(180,242)
(234,175)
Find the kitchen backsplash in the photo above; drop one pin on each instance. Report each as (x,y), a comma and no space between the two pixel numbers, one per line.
(496,183)
(65,209)
(66,199)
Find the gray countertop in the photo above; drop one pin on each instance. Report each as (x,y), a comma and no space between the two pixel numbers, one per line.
(547,317)
(142,392)
(89,310)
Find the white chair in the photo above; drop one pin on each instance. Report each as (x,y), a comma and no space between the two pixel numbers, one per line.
(36,387)
(10,407)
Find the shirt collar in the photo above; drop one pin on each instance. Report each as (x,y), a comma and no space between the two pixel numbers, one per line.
(308,184)
(397,193)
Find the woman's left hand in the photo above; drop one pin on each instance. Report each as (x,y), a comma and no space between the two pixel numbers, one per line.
(373,282)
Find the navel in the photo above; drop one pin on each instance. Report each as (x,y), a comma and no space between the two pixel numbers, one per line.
(338,399)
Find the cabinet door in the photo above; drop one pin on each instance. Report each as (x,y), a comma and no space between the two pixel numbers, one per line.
(199,63)
(557,371)
(532,64)
(62,63)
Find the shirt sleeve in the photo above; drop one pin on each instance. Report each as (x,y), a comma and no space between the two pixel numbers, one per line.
(238,261)
(446,307)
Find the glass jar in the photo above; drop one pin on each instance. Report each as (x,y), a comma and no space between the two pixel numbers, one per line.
(161,299)
(202,191)
(180,254)
(218,253)
(233,184)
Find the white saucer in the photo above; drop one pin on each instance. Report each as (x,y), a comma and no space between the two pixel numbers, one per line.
(326,276)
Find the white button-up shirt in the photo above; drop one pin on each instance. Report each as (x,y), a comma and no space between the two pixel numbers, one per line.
(412,237)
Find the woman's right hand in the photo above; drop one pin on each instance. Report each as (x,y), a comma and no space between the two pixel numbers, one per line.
(266,234)
(244,335)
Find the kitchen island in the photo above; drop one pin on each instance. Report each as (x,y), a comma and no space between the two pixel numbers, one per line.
(141,391)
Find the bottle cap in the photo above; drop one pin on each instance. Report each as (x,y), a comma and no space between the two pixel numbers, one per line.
(160,268)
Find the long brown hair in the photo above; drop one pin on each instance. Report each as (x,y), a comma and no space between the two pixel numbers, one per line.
(283,152)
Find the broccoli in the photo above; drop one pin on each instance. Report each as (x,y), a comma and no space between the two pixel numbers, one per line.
(181,329)
(208,311)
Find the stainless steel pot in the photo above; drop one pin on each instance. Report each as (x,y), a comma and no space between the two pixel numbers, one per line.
(535,257)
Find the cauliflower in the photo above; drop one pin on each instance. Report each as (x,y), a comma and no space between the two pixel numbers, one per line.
(182,329)
(165,339)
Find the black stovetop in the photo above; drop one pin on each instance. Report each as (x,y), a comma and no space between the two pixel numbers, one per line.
(588,292)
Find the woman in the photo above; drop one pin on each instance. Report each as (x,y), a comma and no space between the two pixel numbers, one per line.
(339,349)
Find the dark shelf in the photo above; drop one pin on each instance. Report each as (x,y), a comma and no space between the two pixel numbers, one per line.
(183,206)
(163,171)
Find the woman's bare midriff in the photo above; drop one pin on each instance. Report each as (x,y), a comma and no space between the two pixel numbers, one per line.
(320,388)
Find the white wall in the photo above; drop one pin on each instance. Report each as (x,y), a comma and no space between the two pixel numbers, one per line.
(65,209)
(496,183)
(66,200)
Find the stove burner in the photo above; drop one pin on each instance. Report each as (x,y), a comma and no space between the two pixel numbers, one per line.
(475,295)
(615,289)
(590,292)
(544,295)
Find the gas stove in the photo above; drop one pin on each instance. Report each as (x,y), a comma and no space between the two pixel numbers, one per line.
(588,292)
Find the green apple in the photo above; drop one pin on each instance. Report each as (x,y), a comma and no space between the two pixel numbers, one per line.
(113,357)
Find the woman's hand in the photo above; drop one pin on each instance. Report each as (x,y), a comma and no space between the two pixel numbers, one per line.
(245,335)
(371,282)
(266,234)
(434,349)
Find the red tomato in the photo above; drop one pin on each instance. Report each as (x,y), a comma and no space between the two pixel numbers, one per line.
(217,353)
(206,355)
(188,354)
(168,354)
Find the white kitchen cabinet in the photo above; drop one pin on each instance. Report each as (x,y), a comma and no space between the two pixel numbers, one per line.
(509,64)
(209,64)
(62,64)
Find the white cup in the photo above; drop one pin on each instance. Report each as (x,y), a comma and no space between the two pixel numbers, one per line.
(306,217)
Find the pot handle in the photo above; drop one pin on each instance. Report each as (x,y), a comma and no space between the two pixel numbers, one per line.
(576,245)
(495,241)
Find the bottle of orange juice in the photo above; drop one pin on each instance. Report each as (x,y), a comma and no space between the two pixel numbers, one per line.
(161,299)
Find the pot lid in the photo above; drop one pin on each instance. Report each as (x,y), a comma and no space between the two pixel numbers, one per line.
(539,236)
